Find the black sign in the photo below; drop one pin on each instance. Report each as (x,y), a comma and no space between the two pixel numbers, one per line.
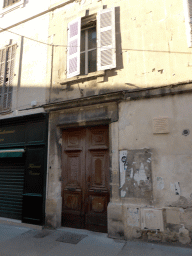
(30,133)
(12,135)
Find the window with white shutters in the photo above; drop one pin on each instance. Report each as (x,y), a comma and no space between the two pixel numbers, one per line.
(91,43)
(188,20)
(7,57)
(9,2)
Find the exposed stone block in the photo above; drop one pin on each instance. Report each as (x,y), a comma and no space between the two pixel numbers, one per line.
(53,212)
(115,212)
(115,229)
(133,217)
(173,216)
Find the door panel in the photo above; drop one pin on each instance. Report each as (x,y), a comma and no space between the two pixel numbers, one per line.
(85,178)
(73,178)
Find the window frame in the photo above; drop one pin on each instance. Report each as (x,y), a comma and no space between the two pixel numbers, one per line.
(105,50)
(87,50)
(5,10)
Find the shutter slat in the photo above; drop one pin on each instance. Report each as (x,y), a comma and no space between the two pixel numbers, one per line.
(106,45)
(73,49)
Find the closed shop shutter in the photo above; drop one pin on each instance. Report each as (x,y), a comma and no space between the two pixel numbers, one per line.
(11,191)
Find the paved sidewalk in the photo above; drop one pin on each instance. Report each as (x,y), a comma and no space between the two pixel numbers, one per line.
(26,241)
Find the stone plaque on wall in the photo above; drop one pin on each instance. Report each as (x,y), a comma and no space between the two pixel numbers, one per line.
(161,125)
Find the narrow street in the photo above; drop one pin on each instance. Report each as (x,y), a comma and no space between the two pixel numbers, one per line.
(23,240)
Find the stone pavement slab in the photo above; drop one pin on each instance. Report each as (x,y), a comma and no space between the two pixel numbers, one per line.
(94,244)
(37,243)
(134,248)
(8,232)
(21,241)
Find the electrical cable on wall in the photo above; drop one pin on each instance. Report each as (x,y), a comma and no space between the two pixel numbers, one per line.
(122,50)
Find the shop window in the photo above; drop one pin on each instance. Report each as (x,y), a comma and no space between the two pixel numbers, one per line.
(91,43)
(7,57)
(9,2)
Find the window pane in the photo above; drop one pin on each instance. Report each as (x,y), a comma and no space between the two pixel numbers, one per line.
(91,38)
(92,60)
(82,40)
(82,64)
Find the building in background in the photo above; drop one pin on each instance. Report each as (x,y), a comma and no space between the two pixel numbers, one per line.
(23,123)
(114,77)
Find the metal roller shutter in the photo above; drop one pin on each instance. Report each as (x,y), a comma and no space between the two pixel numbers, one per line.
(11,192)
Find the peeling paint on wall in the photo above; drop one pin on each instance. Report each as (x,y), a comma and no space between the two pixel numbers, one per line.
(160,183)
(135,173)
(122,161)
(140,175)
(133,217)
(123,193)
(175,187)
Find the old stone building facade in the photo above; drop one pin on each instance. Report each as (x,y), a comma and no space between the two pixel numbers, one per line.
(114,79)
(23,120)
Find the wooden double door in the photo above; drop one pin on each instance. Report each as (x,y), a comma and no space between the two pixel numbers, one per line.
(85,178)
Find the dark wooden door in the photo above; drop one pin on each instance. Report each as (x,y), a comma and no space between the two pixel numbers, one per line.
(85,178)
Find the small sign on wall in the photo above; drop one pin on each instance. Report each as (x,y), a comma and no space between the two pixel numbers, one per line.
(161,125)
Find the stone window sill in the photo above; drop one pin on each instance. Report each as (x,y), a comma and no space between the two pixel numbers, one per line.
(98,74)
(6,10)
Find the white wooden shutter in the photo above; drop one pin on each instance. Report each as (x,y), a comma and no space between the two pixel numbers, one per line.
(106,46)
(2,66)
(8,87)
(188,20)
(73,49)
(2,74)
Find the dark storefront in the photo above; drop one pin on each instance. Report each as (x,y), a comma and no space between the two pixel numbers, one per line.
(23,162)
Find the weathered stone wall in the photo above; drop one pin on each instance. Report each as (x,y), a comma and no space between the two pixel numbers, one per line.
(159,162)
(151,47)
(151,189)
